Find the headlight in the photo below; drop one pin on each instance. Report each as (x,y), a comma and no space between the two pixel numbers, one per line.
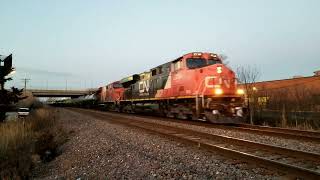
(219,69)
(240,91)
(197,54)
(218,91)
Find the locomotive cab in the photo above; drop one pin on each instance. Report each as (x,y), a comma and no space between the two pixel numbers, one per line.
(114,92)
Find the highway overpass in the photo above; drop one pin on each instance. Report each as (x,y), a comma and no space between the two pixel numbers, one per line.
(60,93)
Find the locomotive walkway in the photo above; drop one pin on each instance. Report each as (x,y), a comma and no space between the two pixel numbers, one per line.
(293,162)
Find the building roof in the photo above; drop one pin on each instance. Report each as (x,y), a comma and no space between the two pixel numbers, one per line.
(311,82)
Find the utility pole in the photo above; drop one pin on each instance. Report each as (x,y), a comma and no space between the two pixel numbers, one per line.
(25,80)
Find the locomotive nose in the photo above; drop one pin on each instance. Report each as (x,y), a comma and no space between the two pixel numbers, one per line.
(220,79)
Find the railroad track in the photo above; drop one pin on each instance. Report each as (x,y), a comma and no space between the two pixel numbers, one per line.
(301,135)
(292,162)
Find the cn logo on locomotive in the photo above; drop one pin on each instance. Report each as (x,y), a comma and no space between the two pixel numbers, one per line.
(144,87)
(210,82)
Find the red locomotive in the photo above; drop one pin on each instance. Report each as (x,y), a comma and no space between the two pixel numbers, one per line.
(193,86)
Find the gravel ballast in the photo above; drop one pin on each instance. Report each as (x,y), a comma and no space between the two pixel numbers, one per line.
(97,149)
(270,140)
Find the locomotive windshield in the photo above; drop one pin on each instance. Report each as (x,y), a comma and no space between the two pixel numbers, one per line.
(214,61)
(193,63)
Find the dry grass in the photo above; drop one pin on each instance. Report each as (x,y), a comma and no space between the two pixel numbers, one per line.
(306,125)
(14,135)
(20,140)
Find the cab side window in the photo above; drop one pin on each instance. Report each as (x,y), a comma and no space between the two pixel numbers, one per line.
(154,72)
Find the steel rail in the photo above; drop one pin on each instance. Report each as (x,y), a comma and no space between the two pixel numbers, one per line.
(277,133)
(283,130)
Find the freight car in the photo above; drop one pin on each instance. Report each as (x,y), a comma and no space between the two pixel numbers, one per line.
(194,86)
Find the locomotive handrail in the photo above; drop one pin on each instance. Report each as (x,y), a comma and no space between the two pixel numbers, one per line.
(199,89)
(202,98)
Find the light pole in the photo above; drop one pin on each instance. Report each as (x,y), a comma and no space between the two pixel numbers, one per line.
(254,104)
(1,74)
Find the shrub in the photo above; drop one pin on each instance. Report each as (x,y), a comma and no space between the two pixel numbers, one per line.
(21,139)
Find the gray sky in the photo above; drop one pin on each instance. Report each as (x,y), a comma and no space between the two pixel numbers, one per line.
(85,44)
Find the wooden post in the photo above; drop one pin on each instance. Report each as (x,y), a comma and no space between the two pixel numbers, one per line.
(283,116)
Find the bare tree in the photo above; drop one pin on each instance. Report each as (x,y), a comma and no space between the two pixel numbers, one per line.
(224,58)
(281,98)
(301,101)
(248,75)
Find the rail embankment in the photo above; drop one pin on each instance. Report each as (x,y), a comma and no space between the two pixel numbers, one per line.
(25,142)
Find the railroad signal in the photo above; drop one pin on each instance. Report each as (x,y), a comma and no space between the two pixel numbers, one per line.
(8,63)
(5,70)
(7,66)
